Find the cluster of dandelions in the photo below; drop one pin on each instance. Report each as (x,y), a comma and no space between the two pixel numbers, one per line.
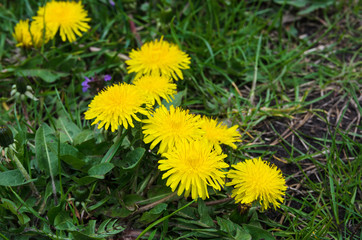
(69,18)
(190,145)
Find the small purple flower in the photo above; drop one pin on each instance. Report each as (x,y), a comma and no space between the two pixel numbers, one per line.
(112,3)
(85,83)
(107,77)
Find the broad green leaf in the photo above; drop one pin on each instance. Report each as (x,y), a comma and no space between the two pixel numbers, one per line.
(120,212)
(87,179)
(71,156)
(53,212)
(154,213)
(102,226)
(204,213)
(100,170)
(68,130)
(8,204)
(176,101)
(258,233)
(64,222)
(132,158)
(107,229)
(12,178)
(65,62)
(158,208)
(83,136)
(130,201)
(46,150)
(227,226)
(84,236)
(47,75)
(239,218)
(88,231)
(242,234)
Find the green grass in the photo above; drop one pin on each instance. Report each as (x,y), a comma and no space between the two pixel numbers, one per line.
(291,82)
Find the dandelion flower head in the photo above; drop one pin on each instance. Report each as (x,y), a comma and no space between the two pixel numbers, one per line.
(158,57)
(33,36)
(116,105)
(192,166)
(256,180)
(171,127)
(69,17)
(218,133)
(156,87)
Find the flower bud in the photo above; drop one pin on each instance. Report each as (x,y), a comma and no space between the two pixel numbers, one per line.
(21,85)
(6,136)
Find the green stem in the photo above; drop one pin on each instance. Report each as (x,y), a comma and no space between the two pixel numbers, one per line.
(163,219)
(154,204)
(113,149)
(23,171)
(252,91)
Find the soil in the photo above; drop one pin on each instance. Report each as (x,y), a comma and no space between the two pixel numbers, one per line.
(336,116)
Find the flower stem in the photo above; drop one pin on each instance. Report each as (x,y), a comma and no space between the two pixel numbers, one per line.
(154,204)
(23,171)
(163,219)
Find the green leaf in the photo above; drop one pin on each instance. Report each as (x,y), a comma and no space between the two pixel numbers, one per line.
(83,136)
(48,76)
(154,213)
(100,170)
(295,3)
(46,150)
(204,213)
(8,204)
(86,180)
(258,233)
(316,5)
(239,218)
(53,212)
(242,234)
(152,235)
(71,156)
(105,230)
(228,226)
(176,100)
(83,236)
(12,178)
(64,222)
(68,130)
(163,219)
(158,208)
(132,158)
(102,226)
(130,201)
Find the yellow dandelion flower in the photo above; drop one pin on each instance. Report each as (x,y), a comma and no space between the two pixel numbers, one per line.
(158,57)
(192,166)
(218,133)
(30,36)
(69,17)
(155,87)
(256,180)
(171,128)
(116,105)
